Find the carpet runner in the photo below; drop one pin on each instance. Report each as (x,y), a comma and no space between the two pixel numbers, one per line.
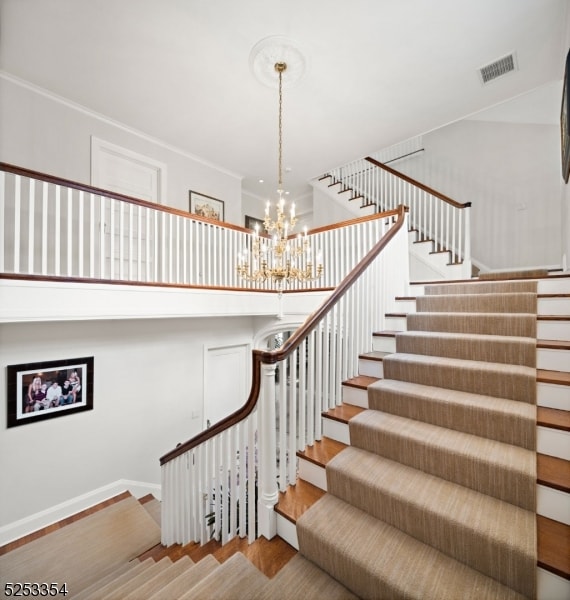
(436,496)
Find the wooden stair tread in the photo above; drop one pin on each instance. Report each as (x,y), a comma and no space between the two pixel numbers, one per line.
(556,377)
(322,451)
(376,355)
(298,498)
(553,418)
(387,333)
(553,472)
(343,413)
(553,344)
(360,381)
(553,317)
(553,546)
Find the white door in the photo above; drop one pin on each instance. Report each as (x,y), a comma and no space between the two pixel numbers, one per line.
(226,377)
(126,172)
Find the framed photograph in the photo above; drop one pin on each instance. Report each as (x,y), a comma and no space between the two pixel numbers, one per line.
(251,222)
(206,206)
(564,123)
(48,389)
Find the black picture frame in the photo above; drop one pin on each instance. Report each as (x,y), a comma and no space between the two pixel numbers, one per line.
(206,206)
(251,222)
(565,123)
(30,399)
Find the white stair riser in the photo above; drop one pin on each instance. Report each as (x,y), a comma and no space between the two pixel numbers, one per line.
(405,306)
(336,431)
(554,285)
(554,306)
(355,396)
(551,395)
(553,330)
(553,504)
(381,343)
(312,473)
(551,586)
(552,359)
(396,323)
(287,530)
(370,368)
(553,442)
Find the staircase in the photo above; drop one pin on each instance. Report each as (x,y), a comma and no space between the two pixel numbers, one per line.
(418,467)
(113,551)
(453,390)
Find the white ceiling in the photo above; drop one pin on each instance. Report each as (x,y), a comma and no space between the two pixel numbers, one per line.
(379,71)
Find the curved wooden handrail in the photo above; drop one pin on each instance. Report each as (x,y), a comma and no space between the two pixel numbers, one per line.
(274,356)
(417,184)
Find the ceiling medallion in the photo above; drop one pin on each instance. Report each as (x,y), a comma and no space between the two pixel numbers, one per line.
(277,49)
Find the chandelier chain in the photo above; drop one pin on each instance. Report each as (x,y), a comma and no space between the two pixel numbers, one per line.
(280,68)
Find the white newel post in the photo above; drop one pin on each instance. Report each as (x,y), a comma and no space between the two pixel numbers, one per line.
(267,454)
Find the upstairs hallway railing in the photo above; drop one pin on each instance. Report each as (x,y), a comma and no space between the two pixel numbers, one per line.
(225,481)
(53,227)
(433,215)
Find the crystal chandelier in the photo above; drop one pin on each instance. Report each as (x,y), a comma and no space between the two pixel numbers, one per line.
(277,256)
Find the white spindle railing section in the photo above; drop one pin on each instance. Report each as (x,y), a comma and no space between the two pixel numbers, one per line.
(295,390)
(433,215)
(53,227)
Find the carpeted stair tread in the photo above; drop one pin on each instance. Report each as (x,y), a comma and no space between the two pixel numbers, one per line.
(516,274)
(492,536)
(300,578)
(500,419)
(504,471)
(188,579)
(476,287)
(376,560)
(112,591)
(513,350)
(514,382)
(229,581)
(478,303)
(117,576)
(157,583)
(153,508)
(520,324)
(118,533)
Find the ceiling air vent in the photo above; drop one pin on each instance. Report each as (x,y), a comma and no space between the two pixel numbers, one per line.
(500,67)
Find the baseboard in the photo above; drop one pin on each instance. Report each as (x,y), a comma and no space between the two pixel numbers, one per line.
(17,529)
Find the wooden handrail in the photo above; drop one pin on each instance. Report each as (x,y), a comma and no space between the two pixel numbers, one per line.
(8,168)
(271,357)
(417,184)
(101,192)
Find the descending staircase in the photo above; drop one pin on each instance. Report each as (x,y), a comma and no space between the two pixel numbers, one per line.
(447,436)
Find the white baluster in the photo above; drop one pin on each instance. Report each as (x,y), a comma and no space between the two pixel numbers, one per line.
(45,192)
(31,218)
(81,235)
(57,231)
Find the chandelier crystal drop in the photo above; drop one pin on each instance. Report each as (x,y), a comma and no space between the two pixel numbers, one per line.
(279,256)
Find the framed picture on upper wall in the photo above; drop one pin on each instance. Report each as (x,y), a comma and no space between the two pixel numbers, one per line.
(48,389)
(564,122)
(251,222)
(206,206)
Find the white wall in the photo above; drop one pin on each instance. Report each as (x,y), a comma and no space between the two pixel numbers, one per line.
(148,385)
(49,135)
(511,174)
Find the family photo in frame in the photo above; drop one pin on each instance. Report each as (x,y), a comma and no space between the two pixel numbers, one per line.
(48,389)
